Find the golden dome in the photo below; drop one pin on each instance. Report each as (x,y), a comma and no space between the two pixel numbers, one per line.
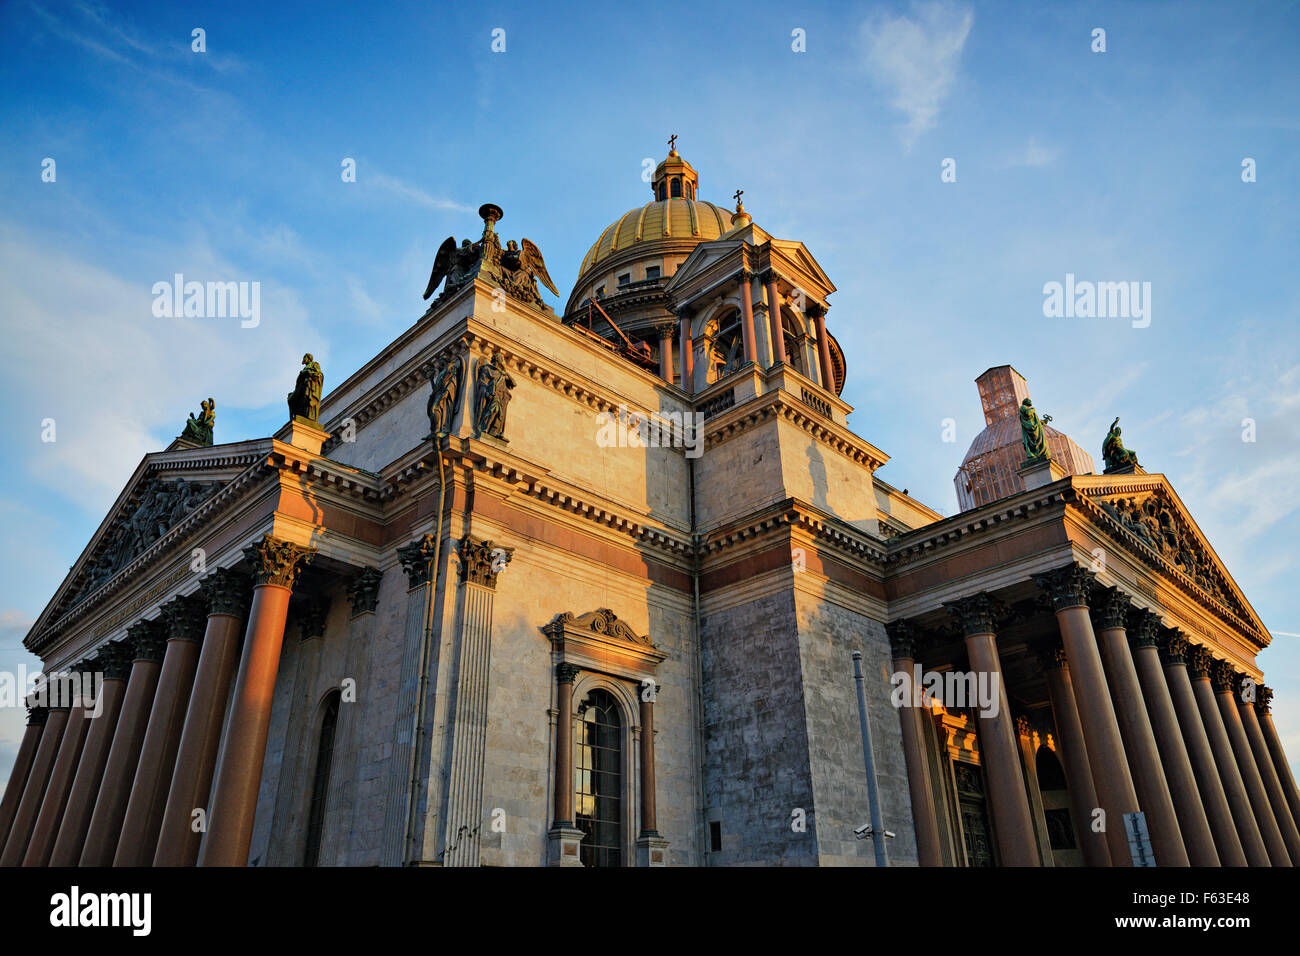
(689,219)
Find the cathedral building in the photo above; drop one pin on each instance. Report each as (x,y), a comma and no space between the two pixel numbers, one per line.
(585,589)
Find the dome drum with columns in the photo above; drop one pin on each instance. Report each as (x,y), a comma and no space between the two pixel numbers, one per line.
(628,272)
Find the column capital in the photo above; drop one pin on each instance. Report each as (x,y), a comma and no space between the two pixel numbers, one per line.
(1066,586)
(1224,677)
(1110,606)
(666,330)
(1024,727)
(36,715)
(903,639)
(975,614)
(768,275)
(481,561)
(311,613)
(566,673)
(743,275)
(815,309)
(185,618)
(1143,627)
(363,591)
(114,659)
(1199,661)
(1050,653)
(277,562)
(148,640)
(1263,699)
(1173,646)
(227,591)
(416,558)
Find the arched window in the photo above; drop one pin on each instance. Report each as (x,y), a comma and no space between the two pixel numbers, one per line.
(321,783)
(598,773)
(728,352)
(790,332)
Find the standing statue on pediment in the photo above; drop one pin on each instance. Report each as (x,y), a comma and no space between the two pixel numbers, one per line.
(199,430)
(492,387)
(1115,455)
(304,400)
(1032,435)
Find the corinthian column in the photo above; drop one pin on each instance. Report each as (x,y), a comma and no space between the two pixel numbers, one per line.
(774,318)
(226,592)
(563,838)
(687,350)
(1173,657)
(747,317)
(184,619)
(1264,763)
(275,565)
(665,331)
(818,312)
(1112,607)
(1223,679)
(1143,627)
(22,767)
(29,807)
(1263,707)
(61,777)
(1068,588)
(997,736)
(1073,751)
(1199,662)
(925,820)
(114,662)
(145,642)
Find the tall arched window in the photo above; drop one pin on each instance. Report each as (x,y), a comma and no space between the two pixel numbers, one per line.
(321,783)
(728,353)
(598,772)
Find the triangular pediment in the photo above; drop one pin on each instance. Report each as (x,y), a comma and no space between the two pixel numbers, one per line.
(165,488)
(802,260)
(1146,513)
(701,259)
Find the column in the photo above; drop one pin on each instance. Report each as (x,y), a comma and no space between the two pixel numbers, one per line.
(1173,657)
(1199,662)
(1223,680)
(113,661)
(145,643)
(818,312)
(226,592)
(1029,764)
(747,317)
(997,736)
(564,837)
(22,767)
(665,330)
(687,352)
(774,319)
(338,841)
(1263,707)
(275,565)
(925,819)
(184,619)
(1072,751)
(651,847)
(1068,588)
(1143,627)
(1264,763)
(480,563)
(29,807)
(1112,608)
(59,787)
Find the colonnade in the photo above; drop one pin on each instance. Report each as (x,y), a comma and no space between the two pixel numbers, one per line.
(1144,722)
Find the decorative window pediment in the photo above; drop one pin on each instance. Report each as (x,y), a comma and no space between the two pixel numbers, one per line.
(598,640)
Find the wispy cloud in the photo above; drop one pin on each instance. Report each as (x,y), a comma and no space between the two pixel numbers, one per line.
(1034,155)
(917,58)
(404,190)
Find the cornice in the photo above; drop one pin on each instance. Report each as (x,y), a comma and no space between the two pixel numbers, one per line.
(743,416)
(795,515)
(922,542)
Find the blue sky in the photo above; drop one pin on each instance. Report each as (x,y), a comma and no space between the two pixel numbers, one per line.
(225,165)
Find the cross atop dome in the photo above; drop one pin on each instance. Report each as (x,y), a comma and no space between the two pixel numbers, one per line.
(672,145)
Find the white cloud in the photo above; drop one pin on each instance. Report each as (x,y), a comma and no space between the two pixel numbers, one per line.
(917,57)
(406,191)
(1034,155)
(84,348)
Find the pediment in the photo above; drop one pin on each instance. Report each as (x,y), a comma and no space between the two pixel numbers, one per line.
(701,259)
(799,256)
(1148,514)
(165,488)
